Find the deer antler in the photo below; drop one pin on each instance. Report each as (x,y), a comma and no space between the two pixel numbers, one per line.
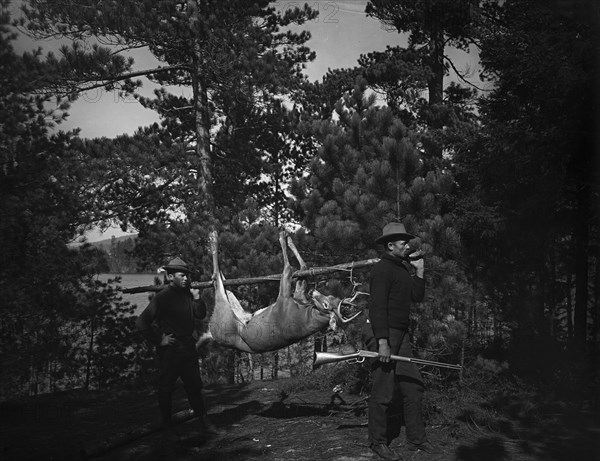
(348,301)
(351,300)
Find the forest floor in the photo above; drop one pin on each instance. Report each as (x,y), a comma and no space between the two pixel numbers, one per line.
(265,420)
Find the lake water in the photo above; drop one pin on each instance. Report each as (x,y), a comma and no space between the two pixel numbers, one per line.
(132,281)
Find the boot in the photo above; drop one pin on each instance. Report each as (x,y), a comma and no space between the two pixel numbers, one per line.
(385,452)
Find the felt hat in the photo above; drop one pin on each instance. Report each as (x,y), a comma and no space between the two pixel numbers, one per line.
(394,231)
(177,265)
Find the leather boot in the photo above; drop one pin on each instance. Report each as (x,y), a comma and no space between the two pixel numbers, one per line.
(385,452)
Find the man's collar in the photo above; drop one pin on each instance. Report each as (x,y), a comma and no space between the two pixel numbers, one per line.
(391,257)
(395,259)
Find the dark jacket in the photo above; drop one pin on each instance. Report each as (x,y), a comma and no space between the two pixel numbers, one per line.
(393,290)
(171,311)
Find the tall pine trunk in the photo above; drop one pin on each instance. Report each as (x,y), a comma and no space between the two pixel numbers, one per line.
(436,62)
(88,367)
(581,267)
(201,116)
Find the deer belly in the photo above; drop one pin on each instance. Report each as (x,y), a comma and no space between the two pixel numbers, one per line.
(227,322)
(281,325)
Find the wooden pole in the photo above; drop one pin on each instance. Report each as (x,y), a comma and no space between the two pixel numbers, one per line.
(267,278)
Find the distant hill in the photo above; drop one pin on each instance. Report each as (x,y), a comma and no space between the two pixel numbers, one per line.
(106,244)
(118,252)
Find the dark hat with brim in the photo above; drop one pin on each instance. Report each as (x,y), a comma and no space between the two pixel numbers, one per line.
(394,231)
(177,265)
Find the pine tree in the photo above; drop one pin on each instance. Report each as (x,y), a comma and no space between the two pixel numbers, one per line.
(41,205)
(367,173)
(232,55)
(406,75)
(533,165)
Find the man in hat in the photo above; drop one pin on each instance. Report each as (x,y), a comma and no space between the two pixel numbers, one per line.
(396,281)
(169,323)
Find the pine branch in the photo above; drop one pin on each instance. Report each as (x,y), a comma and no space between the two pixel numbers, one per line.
(108,81)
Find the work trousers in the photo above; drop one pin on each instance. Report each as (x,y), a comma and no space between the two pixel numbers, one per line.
(392,380)
(179,361)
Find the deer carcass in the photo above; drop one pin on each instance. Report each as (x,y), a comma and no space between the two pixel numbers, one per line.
(291,318)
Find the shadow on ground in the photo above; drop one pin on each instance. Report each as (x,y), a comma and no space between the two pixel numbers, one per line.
(531,429)
(261,421)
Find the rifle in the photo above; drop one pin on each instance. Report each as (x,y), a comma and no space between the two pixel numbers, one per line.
(321,358)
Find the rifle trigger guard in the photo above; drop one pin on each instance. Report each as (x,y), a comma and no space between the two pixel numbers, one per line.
(357,360)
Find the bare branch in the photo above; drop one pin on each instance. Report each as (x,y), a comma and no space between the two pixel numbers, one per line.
(461,76)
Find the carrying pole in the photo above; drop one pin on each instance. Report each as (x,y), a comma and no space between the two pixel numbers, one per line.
(266,278)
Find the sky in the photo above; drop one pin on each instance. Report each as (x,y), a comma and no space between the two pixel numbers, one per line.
(340,34)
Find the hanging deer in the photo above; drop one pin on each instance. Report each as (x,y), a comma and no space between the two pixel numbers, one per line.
(293,316)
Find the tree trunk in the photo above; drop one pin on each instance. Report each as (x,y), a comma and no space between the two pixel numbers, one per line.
(436,86)
(581,267)
(288,355)
(320,342)
(569,307)
(552,302)
(596,304)
(275,368)
(436,81)
(250,374)
(240,363)
(202,119)
(230,366)
(88,367)
(462,361)
(205,177)
(596,328)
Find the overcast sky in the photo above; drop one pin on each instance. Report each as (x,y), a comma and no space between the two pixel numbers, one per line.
(340,34)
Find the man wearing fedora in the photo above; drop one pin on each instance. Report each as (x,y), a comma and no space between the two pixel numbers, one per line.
(169,323)
(396,282)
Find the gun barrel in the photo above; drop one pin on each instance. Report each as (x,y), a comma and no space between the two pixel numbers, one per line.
(436,364)
(321,358)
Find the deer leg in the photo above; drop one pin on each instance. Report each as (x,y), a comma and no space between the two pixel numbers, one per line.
(285,285)
(290,244)
(300,291)
(214,249)
(228,318)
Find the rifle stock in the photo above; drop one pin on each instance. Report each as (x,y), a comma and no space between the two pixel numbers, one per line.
(322,358)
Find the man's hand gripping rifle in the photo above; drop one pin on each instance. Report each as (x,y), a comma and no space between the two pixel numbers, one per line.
(359,356)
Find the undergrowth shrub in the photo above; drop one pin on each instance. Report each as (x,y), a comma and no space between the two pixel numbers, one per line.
(480,399)
(353,378)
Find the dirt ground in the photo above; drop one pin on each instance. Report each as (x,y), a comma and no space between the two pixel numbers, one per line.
(260,421)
